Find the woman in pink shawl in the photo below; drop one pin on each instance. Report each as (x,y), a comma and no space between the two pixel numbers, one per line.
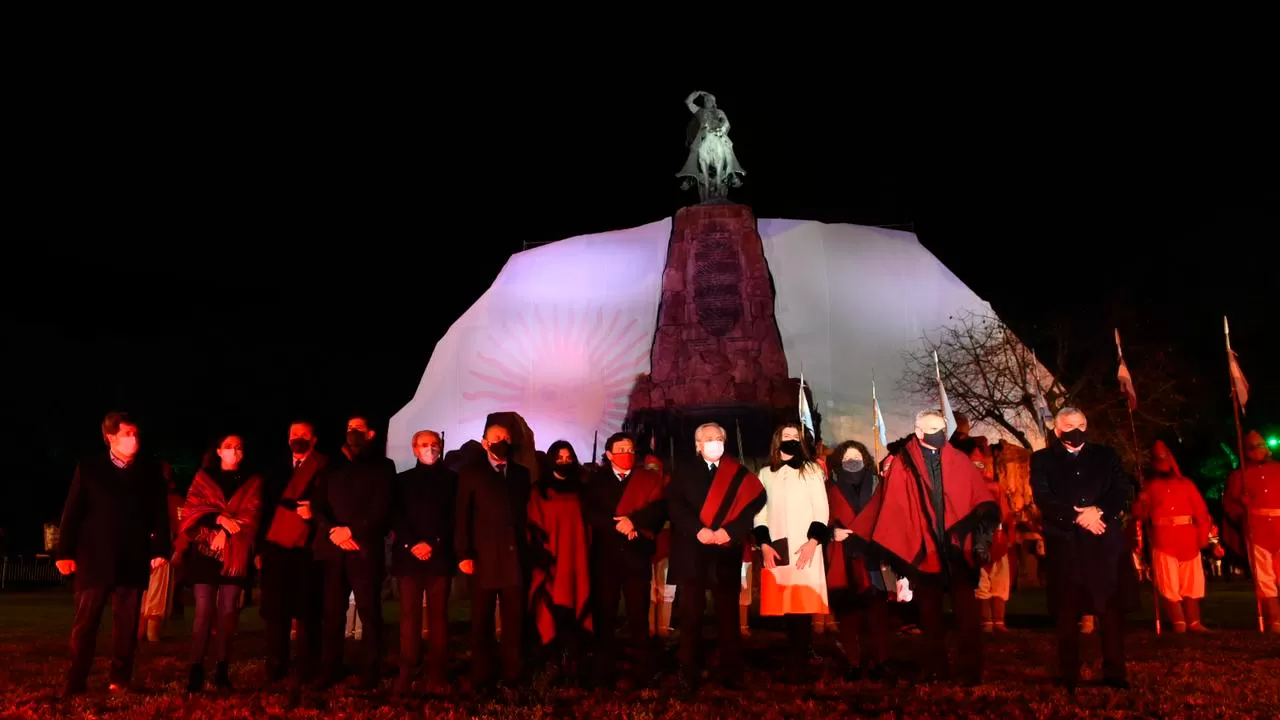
(219,523)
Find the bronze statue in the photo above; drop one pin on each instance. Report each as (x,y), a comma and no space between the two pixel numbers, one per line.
(711,163)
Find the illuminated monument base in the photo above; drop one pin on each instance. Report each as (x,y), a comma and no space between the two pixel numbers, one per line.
(717,354)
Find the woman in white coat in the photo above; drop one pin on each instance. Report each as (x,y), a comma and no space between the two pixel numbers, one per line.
(790,531)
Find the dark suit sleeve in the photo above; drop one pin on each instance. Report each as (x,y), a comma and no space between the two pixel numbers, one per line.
(462,545)
(401,523)
(740,528)
(597,516)
(161,542)
(374,523)
(1054,510)
(651,517)
(1115,498)
(72,516)
(321,510)
(682,512)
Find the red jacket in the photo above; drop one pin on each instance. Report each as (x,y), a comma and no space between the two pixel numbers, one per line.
(1178,516)
(1250,500)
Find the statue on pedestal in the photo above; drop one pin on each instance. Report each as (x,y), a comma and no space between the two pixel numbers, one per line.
(711,163)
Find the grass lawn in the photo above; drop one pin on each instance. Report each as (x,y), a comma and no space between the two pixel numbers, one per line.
(1234,672)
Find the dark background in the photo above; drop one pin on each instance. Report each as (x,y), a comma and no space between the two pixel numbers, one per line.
(217,255)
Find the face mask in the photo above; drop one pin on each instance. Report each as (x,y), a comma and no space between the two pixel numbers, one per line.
(713,450)
(428,455)
(1074,438)
(568,471)
(299,446)
(853,466)
(623,461)
(936,440)
(127,445)
(790,447)
(229,457)
(500,449)
(356,439)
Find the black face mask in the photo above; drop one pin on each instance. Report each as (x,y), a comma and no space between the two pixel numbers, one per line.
(357,440)
(853,466)
(936,439)
(500,449)
(1074,437)
(299,446)
(790,447)
(568,471)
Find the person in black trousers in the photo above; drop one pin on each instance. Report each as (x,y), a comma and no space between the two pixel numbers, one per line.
(422,559)
(352,508)
(114,530)
(292,579)
(492,540)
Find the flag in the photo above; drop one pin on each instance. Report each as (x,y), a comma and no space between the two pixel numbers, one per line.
(1238,383)
(879,417)
(1126,380)
(806,416)
(942,395)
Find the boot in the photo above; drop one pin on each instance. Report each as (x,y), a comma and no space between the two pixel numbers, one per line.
(997,614)
(153,629)
(988,625)
(1191,607)
(743,610)
(1271,611)
(1173,611)
(195,679)
(222,676)
(664,619)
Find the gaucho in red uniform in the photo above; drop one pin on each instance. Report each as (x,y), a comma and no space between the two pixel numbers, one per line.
(1252,503)
(1179,522)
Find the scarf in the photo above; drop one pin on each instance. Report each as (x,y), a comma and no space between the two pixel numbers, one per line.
(205,498)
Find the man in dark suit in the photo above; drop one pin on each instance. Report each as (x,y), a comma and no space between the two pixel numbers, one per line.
(623,506)
(352,510)
(492,545)
(712,502)
(115,529)
(292,581)
(422,558)
(1081,489)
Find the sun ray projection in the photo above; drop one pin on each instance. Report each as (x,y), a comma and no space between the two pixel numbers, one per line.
(563,369)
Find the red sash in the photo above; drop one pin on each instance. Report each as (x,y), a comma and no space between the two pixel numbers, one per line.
(287,528)
(644,488)
(749,488)
(852,575)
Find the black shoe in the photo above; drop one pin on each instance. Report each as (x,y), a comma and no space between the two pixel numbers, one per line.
(1117,683)
(222,676)
(195,679)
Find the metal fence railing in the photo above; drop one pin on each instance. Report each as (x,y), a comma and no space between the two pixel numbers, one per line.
(20,572)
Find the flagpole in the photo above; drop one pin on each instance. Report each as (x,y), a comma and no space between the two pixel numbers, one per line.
(1235,407)
(1137,460)
(875,427)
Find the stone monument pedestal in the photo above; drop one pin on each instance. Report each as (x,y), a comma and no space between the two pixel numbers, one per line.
(717,349)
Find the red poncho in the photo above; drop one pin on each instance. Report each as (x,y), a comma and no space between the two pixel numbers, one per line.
(560,576)
(204,498)
(900,522)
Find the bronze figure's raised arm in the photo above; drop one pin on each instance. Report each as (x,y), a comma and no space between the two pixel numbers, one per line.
(711,163)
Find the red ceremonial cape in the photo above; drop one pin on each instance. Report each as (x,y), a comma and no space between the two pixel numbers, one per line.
(644,488)
(900,522)
(559,540)
(287,528)
(718,498)
(205,498)
(842,575)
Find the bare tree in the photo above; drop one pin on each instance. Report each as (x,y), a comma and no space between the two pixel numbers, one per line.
(990,375)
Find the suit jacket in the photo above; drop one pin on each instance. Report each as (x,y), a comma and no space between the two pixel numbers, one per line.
(1062,481)
(610,550)
(691,561)
(493,523)
(273,489)
(115,521)
(354,494)
(425,511)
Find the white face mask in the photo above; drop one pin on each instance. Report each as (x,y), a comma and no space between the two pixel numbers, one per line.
(229,457)
(428,455)
(127,445)
(713,450)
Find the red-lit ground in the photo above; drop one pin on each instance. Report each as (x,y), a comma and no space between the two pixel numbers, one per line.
(1234,672)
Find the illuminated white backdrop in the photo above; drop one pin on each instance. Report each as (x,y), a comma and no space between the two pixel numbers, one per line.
(565,329)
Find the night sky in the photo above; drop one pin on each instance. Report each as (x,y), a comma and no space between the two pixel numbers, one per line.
(248,256)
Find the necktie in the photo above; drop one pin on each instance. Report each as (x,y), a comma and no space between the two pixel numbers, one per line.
(623,477)
(501,468)
(713,469)
(297,463)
